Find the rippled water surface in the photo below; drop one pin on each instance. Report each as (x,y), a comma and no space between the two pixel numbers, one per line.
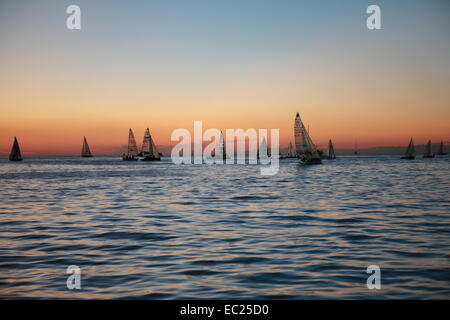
(159,230)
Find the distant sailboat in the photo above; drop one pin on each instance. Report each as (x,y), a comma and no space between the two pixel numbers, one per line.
(409,154)
(132,151)
(441,149)
(149,151)
(428,152)
(356,149)
(306,149)
(290,152)
(15,154)
(222,151)
(331,154)
(262,151)
(85,151)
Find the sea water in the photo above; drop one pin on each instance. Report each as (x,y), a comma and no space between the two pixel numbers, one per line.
(159,230)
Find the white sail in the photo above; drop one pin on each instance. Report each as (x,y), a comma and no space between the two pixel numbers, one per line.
(303,141)
(132,146)
(85,151)
(148,146)
(263,152)
(298,136)
(221,153)
(153,147)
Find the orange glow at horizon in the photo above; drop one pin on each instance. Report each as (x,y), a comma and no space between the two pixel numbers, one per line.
(347,84)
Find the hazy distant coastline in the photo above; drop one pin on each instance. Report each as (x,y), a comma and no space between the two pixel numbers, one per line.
(420,149)
(166,150)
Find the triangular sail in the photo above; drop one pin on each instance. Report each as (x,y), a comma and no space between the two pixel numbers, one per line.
(132,146)
(222,151)
(263,152)
(410,149)
(15,154)
(428,149)
(303,141)
(331,154)
(153,147)
(86,152)
(148,146)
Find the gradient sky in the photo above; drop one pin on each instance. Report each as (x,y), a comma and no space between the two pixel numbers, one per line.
(232,64)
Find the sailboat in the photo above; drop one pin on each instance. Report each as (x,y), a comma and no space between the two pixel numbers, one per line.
(290,152)
(409,154)
(441,149)
(15,154)
(263,147)
(149,151)
(132,151)
(331,154)
(356,149)
(85,151)
(428,152)
(221,152)
(306,149)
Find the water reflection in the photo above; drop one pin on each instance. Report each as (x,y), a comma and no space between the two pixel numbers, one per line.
(157,230)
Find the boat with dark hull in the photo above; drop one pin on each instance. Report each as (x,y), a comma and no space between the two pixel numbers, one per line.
(149,151)
(428,151)
(132,150)
(85,151)
(304,145)
(410,153)
(15,154)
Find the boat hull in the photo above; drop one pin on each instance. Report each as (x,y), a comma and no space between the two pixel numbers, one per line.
(442,154)
(150,159)
(408,157)
(15,159)
(308,162)
(129,158)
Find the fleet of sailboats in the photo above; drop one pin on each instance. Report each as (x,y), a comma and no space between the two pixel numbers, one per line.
(85,151)
(305,150)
